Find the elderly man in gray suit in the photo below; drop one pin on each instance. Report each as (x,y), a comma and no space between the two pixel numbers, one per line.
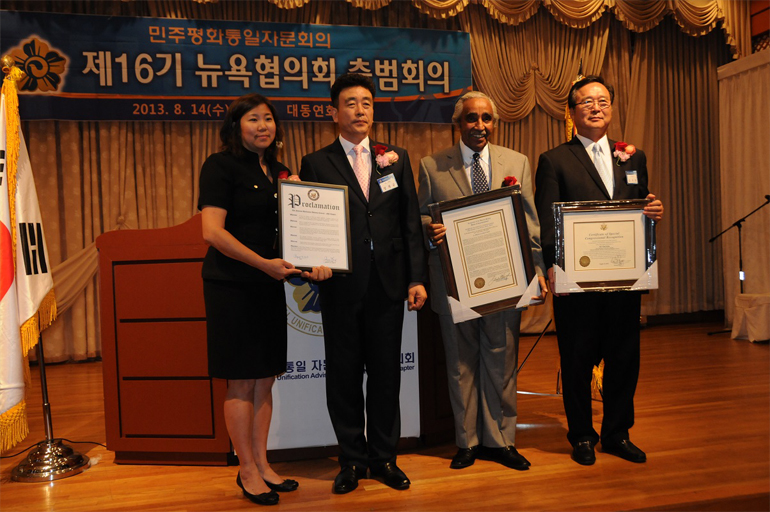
(481,354)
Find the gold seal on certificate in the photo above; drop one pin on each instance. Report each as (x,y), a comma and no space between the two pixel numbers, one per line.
(314,225)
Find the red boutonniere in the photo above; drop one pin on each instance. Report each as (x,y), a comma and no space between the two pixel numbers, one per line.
(283,175)
(509,181)
(623,151)
(383,157)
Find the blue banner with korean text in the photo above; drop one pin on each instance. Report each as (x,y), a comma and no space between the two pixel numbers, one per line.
(137,69)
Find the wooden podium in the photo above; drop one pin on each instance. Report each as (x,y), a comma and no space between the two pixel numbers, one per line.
(160,405)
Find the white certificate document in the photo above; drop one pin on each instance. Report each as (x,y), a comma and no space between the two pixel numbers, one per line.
(486,266)
(486,253)
(314,225)
(604,245)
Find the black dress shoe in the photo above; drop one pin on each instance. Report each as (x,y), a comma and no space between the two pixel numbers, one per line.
(583,453)
(347,479)
(285,486)
(625,449)
(507,456)
(464,457)
(392,476)
(265,498)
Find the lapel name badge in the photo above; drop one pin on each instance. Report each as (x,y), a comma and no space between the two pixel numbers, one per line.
(631,178)
(387,182)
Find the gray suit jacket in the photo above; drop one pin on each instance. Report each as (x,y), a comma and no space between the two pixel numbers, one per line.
(443,177)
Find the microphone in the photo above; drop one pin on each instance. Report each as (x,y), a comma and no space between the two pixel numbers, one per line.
(767,197)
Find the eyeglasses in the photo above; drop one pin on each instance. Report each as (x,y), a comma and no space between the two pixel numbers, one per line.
(588,104)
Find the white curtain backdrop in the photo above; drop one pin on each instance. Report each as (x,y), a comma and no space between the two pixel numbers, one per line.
(744,143)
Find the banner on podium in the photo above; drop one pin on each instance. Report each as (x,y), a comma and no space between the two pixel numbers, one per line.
(300,417)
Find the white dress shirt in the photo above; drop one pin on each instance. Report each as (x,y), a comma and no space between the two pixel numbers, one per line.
(348,146)
(606,153)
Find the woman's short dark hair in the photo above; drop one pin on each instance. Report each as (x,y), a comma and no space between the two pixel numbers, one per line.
(350,80)
(230,133)
(572,98)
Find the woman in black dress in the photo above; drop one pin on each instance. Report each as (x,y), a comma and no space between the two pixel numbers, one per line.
(243,283)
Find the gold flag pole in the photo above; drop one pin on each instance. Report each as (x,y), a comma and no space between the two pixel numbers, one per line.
(50,459)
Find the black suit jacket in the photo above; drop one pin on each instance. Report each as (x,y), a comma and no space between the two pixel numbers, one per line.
(566,173)
(390,219)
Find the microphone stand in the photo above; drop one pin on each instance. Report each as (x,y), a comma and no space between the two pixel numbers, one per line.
(739,224)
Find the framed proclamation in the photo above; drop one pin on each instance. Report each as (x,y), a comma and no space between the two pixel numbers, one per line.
(487,257)
(314,225)
(604,246)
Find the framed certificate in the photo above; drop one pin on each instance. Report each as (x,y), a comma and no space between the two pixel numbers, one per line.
(487,257)
(314,225)
(604,246)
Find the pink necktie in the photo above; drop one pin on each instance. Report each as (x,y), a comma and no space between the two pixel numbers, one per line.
(361,169)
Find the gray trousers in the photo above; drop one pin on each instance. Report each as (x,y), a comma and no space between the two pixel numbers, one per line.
(482,358)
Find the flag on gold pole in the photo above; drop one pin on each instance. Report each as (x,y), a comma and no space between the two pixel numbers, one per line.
(569,125)
(27,302)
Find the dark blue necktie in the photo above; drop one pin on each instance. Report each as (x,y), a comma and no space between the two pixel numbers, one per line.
(478,179)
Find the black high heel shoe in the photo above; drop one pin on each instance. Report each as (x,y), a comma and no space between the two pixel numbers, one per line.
(266,498)
(287,485)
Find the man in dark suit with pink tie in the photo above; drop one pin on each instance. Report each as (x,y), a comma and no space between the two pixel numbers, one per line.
(592,326)
(363,311)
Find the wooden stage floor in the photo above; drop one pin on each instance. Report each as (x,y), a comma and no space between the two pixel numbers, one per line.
(702,416)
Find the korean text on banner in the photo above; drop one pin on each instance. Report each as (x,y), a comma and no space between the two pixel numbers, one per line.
(114,68)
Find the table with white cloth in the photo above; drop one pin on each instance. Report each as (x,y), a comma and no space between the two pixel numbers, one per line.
(752,317)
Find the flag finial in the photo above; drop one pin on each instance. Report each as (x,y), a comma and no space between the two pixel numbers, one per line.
(12,71)
(569,125)
(8,63)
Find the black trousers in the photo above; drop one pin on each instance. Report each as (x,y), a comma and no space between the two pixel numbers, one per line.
(590,327)
(364,336)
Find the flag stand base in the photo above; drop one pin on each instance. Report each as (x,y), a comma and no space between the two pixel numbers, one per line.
(50,460)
